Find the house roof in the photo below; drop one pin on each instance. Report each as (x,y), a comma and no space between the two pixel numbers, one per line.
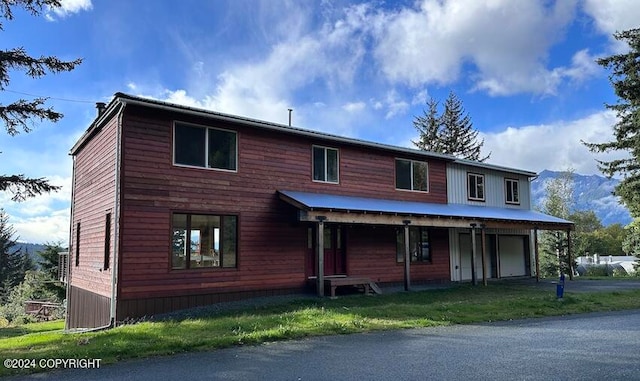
(126,99)
(121,99)
(331,202)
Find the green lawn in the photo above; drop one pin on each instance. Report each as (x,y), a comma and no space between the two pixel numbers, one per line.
(307,317)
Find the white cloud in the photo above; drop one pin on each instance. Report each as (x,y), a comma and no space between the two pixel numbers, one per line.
(69,7)
(43,218)
(354,106)
(555,146)
(612,16)
(506,42)
(296,62)
(52,227)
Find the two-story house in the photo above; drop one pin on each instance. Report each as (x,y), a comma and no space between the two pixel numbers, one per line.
(176,207)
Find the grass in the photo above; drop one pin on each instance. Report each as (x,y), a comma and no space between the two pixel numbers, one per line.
(308,317)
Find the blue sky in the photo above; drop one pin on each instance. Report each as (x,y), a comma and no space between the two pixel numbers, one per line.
(524,71)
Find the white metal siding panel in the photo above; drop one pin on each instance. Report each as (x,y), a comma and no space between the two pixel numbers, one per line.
(494,187)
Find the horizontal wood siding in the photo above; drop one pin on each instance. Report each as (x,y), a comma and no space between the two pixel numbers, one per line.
(372,254)
(93,197)
(272,246)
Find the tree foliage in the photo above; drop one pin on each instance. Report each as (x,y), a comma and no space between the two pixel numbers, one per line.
(18,116)
(49,261)
(625,79)
(450,132)
(631,242)
(13,263)
(554,246)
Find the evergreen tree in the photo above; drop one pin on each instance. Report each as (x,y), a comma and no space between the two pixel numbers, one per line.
(49,258)
(13,263)
(450,133)
(18,116)
(625,78)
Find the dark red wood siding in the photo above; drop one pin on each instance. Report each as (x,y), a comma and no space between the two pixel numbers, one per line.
(94,190)
(94,197)
(272,245)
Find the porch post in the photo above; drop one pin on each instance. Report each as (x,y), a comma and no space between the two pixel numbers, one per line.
(569,254)
(474,276)
(484,254)
(407,256)
(536,253)
(320,256)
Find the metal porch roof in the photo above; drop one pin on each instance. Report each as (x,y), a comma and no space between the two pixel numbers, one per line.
(320,201)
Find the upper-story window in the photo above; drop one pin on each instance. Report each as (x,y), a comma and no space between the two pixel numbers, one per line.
(475,185)
(205,147)
(512,194)
(412,175)
(325,164)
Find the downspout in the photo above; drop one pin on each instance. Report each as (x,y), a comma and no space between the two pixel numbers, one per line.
(68,269)
(116,218)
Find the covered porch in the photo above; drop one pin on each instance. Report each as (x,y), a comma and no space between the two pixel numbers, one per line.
(321,209)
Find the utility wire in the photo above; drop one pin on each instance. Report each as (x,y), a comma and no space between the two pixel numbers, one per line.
(42,96)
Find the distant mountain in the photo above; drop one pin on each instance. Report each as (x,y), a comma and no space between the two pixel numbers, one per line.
(31,248)
(592,192)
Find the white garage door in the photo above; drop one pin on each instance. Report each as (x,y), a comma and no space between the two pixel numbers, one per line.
(512,255)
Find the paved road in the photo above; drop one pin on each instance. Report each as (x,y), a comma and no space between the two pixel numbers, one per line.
(582,347)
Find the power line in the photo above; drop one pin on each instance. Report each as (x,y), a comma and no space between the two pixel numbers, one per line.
(42,96)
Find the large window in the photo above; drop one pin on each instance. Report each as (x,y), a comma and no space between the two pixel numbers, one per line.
(419,245)
(325,164)
(412,175)
(475,184)
(203,241)
(205,147)
(511,191)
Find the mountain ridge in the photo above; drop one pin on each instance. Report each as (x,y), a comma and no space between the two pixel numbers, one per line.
(590,192)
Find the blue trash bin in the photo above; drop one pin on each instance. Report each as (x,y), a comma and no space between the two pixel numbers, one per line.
(560,287)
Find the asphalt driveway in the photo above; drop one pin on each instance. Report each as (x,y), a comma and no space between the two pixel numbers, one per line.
(580,347)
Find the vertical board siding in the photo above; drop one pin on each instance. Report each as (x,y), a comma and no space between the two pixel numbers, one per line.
(87,309)
(272,246)
(494,187)
(94,195)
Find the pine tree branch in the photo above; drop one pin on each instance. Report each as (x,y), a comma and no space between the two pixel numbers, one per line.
(23,188)
(18,59)
(34,7)
(16,115)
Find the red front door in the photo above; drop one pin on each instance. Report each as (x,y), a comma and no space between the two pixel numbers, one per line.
(334,251)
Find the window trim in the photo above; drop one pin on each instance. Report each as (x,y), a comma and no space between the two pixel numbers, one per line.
(206,147)
(507,182)
(484,188)
(426,163)
(221,267)
(326,167)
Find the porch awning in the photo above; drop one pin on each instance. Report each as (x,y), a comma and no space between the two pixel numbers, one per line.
(350,209)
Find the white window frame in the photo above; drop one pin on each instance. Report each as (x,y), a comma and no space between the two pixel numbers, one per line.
(206,147)
(326,166)
(484,188)
(508,184)
(411,174)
